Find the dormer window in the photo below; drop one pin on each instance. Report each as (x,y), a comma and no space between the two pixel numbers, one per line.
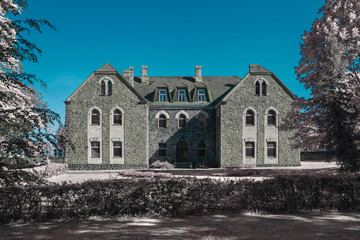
(201,95)
(181,95)
(257,88)
(162,95)
(106,86)
(109,88)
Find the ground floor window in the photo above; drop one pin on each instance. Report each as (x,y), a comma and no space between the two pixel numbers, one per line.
(202,149)
(250,149)
(95,149)
(271,149)
(162,149)
(117,149)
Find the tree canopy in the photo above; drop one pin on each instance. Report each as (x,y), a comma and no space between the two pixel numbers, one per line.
(330,68)
(24,117)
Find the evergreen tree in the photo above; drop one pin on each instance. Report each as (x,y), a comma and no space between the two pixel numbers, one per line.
(329,67)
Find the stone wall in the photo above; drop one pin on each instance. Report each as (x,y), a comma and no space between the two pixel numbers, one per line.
(242,97)
(172,134)
(134,122)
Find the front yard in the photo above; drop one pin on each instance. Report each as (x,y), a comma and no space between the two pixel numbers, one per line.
(306,168)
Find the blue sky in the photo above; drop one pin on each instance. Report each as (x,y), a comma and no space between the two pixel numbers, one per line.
(171,37)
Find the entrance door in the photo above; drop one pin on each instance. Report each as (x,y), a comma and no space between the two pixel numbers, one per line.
(182,152)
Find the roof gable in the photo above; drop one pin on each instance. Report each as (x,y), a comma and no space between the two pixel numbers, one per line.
(255,69)
(108,69)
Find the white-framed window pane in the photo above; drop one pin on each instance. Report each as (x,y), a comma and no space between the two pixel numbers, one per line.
(271,149)
(181,95)
(162,95)
(263,89)
(201,95)
(95,117)
(250,149)
(271,117)
(103,86)
(162,149)
(117,149)
(117,117)
(250,118)
(95,149)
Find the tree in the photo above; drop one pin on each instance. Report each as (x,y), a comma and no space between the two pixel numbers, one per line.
(329,67)
(24,117)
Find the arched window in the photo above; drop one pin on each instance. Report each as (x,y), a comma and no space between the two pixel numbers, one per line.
(202,121)
(271,117)
(117,117)
(257,88)
(103,88)
(250,117)
(263,88)
(182,121)
(162,121)
(95,117)
(109,88)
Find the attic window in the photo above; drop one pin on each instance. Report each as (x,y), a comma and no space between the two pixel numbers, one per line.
(201,95)
(162,95)
(181,95)
(263,89)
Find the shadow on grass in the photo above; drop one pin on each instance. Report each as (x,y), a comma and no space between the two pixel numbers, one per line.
(221,226)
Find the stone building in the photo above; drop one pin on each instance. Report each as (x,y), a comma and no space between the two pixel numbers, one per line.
(118,121)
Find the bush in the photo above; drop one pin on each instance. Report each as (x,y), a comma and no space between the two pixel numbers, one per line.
(162,165)
(206,164)
(173,197)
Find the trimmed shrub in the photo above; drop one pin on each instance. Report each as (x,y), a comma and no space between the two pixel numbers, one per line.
(206,164)
(174,197)
(162,165)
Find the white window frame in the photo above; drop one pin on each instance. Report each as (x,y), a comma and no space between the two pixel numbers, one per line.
(162,95)
(113,149)
(274,149)
(253,147)
(201,96)
(202,148)
(163,148)
(181,95)
(91,145)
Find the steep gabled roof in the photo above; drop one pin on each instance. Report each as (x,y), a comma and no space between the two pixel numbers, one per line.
(108,69)
(256,69)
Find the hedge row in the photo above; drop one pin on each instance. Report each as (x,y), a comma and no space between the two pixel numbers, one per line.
(179,196)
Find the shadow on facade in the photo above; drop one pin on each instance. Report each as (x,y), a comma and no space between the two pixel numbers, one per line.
(182,143)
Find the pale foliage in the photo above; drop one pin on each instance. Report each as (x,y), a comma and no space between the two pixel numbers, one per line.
(24,117)
(329,67)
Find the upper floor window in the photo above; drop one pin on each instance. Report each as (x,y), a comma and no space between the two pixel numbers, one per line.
(263,88)
(182,121)
(117,117)
(257,88)
(117,149)
(181,95)
(103,88)
(162,121)
(95,117)
(95,149)
(201,95)
(250,117)
(109,87)
(202,121)
(162,95)
(271,117)
(271,149)
(201,149)
(162,149)
(249,149)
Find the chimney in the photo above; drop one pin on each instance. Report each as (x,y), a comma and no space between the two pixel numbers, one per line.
(144,77)
(126,74)
(131,76)
(252,67)
(198,77)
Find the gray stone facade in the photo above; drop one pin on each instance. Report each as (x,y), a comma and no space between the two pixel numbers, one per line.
(223,100)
